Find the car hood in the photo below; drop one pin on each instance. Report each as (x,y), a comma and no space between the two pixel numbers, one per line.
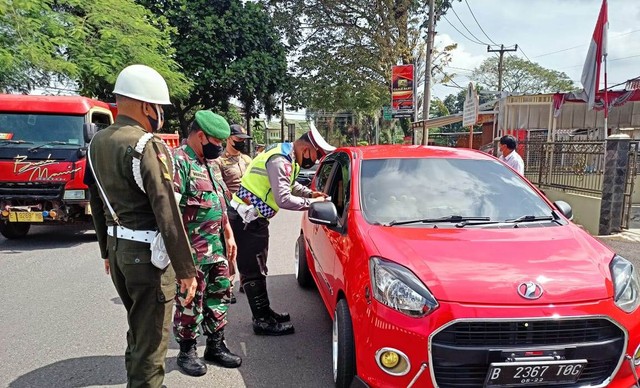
(483,265)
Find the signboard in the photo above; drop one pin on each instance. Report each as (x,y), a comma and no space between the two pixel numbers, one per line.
(402,91)
(386,113)
(470,109)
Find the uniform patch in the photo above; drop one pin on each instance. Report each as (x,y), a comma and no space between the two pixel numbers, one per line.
(165,171)
(287,169)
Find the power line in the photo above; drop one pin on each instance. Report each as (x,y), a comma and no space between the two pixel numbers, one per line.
(609,60)
(474,18)
(582,45)
(460,32)
(465,27)
(525,55)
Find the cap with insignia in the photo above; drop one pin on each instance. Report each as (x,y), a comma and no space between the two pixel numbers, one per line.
(213,124)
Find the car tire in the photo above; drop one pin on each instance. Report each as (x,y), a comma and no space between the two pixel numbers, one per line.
(303,275)
(344,354)
(14,230)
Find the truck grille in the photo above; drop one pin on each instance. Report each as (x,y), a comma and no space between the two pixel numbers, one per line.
(31,190)
(462,352)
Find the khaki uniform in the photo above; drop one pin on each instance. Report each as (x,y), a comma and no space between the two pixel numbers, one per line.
(146,291)
(232,168)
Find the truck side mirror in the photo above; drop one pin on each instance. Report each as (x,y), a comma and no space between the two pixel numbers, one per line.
(89,130)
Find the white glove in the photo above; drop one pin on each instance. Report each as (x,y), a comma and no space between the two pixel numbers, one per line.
(248,213)
(159,255)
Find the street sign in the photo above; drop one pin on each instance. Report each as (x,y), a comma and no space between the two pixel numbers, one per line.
(386,113)
(470,109)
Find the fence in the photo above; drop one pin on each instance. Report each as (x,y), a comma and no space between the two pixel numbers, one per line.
(573,166)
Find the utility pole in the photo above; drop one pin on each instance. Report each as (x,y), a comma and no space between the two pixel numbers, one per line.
(426,103)
(282,122)
(501,50)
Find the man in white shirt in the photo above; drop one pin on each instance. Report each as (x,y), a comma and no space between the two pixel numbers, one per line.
(509,155)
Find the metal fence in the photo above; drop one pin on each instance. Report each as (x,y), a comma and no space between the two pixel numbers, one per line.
(573,166)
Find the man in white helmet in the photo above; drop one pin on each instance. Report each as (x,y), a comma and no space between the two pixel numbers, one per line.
(133,201)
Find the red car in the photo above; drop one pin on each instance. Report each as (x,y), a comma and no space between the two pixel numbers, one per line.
(442,267)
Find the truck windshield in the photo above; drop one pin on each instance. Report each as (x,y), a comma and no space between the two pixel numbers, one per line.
(41,128)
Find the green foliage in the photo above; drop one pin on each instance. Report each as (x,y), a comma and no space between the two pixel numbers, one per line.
(83,41)
(521,76)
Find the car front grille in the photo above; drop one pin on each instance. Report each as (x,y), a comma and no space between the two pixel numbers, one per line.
(462,352)
(31,190)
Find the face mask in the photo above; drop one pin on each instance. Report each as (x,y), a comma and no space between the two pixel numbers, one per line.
(211,151)
(307,162)
(155,123)
(239,145)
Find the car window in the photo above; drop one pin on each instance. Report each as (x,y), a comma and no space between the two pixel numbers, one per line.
(406,189)
(323,175)
(100,119)
(339,190)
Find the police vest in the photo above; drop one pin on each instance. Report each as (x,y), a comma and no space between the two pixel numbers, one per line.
(255,187)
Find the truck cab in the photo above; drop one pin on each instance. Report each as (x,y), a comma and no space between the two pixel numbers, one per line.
(43,147)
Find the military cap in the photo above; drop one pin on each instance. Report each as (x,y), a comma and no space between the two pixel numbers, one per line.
(213,124)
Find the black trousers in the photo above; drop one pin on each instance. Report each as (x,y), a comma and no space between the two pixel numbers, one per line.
(253,246)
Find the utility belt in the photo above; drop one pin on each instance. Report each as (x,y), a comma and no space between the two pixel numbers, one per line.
(143,236)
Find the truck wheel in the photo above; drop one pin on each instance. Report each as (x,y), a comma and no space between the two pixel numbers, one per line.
(13,230)
(303,275)
(344,353)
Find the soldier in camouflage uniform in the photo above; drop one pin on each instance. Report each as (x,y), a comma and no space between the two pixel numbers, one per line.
(232,165)
(203,204)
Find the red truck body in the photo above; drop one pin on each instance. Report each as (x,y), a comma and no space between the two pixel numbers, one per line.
(43,144)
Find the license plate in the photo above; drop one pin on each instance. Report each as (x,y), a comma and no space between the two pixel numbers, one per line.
(26,217)
(513,374)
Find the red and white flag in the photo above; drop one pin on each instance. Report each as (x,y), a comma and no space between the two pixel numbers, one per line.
(597,50)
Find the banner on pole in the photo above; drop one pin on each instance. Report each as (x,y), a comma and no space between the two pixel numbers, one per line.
(402,91)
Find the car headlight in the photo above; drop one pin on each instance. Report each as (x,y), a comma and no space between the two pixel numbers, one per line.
(73,194)
(398,288)
(626,284)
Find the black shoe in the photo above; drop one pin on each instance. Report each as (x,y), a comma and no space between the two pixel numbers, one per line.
(241,289)
(232,298)
(269,326)
(218,352)
(188,359)
(279,317)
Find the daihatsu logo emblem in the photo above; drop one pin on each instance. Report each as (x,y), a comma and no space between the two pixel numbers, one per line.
(530,290)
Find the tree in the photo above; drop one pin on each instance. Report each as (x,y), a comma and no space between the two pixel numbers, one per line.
(229,48)
(521,76)
(44,43)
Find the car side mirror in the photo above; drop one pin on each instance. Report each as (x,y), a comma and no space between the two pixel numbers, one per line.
(323,213)
(564,208)
(89,130)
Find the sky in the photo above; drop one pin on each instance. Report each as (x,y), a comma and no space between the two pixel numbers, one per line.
(553,33)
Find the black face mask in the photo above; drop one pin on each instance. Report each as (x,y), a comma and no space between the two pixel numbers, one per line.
(155,123)
(211,151)
(307,162)
(239,146)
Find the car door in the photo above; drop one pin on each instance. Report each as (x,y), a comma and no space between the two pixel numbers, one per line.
(330,242)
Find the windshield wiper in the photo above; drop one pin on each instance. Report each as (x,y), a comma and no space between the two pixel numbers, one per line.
(532,218)
(50,143)
(5,142)
(459,219)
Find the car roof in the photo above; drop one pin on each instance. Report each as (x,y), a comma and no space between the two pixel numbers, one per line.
(48,104)
(414,151)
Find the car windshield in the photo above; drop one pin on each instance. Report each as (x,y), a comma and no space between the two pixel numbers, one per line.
(41,128)
(396,190)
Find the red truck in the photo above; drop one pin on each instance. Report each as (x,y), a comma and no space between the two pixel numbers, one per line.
(43,147)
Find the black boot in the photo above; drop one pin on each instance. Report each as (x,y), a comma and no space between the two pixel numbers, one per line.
(218,352)
(263,322)
(188,359)
(279,317)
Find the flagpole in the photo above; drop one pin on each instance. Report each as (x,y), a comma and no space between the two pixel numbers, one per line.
(606,99)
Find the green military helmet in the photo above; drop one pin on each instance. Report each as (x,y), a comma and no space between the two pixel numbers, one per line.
(213,124)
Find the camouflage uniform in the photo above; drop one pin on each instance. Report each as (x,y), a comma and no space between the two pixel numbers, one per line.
(203,205)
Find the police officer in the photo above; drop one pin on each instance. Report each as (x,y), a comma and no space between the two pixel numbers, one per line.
(232,165)
(132,201)
(204,211)
(268,185)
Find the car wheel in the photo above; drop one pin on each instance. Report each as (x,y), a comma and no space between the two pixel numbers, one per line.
(344,354)
(303,275)
(13,230)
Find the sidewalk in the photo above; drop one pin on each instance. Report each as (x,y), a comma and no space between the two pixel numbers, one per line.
(631,235)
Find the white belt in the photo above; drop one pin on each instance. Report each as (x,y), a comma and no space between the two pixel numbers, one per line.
(145,236)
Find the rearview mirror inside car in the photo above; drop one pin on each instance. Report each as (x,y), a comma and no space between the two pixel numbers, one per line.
(564,208)
(323,213)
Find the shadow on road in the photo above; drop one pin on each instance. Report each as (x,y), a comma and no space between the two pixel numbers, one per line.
(47,237)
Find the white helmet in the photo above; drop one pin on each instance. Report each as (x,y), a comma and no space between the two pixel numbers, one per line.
(142,83)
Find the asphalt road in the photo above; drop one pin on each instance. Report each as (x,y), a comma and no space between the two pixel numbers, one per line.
(62,323)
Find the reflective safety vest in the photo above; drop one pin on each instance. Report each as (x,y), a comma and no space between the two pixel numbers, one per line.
(255,188)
